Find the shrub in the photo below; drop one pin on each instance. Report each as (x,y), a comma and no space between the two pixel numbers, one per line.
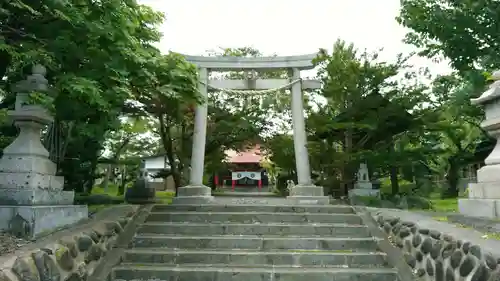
(366,201)
(405,187)
(98,199)
(281,183)
(140,194)
(418,202)
(332,186)
(424,186)
(371,201)
(112,189)
(403,202)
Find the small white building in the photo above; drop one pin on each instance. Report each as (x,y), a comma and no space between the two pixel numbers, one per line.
(155,164)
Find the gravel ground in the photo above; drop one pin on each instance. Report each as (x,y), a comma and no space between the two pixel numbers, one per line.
(10,243)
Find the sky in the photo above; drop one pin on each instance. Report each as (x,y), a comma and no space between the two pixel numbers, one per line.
(284,27)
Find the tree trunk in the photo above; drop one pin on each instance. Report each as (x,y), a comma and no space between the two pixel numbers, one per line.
(177,181)
(393,170)
(452,179)
(185,175)
(123,183)
(5,61)
(169,150)
(89,183)
(347,171)
(184,167)
(105,182)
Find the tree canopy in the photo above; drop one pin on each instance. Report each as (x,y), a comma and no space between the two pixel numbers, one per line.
(101,63)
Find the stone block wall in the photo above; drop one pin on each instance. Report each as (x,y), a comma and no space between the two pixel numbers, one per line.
(435,256)
(71,258)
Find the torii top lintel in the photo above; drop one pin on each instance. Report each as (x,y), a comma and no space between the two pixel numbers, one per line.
(219,63)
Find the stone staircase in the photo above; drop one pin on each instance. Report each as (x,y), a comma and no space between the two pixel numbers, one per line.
(253,243)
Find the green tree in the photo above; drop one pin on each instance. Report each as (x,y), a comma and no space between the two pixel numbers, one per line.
(455,127)
(101,51)
(349,78)
(466,33)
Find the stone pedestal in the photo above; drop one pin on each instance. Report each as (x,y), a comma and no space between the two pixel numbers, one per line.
(363,185)
(32,199)
(484,196)
(308,194)
(483,199)
(194,194)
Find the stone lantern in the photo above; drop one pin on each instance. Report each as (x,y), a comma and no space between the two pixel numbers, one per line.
(31,195)
(484,196)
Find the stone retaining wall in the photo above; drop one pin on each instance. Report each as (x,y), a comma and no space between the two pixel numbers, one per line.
(71,258)
(437,256)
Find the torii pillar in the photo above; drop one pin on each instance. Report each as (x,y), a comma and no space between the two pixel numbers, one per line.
(196,192)
(305,192)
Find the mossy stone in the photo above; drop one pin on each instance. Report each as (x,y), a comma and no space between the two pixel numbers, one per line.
(64,258)
(25,269)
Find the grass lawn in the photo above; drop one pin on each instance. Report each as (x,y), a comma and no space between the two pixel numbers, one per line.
(165,197)
(443,205)
(97,208)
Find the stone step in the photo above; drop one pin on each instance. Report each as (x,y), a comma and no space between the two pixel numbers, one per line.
(252,217)
(254,243)
(229,193)
(197,273)
(259,201)
(337,230)
(244,258)
(330,209)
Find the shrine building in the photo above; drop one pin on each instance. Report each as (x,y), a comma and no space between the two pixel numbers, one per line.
(244,170)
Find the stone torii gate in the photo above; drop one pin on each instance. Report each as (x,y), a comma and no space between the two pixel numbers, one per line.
(302,193)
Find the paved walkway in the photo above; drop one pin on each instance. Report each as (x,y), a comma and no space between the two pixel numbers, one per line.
(426,221)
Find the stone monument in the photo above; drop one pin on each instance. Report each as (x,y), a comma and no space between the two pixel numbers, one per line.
(141,192)
(484,196)
(32,199)
(363,185)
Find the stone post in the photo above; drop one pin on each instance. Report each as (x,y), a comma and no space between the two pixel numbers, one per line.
(31,195)
(196,192)
(484,196)
(141,192)
(304,192)
(363,185)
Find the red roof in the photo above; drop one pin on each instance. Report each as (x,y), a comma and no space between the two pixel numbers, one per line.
(249,156)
